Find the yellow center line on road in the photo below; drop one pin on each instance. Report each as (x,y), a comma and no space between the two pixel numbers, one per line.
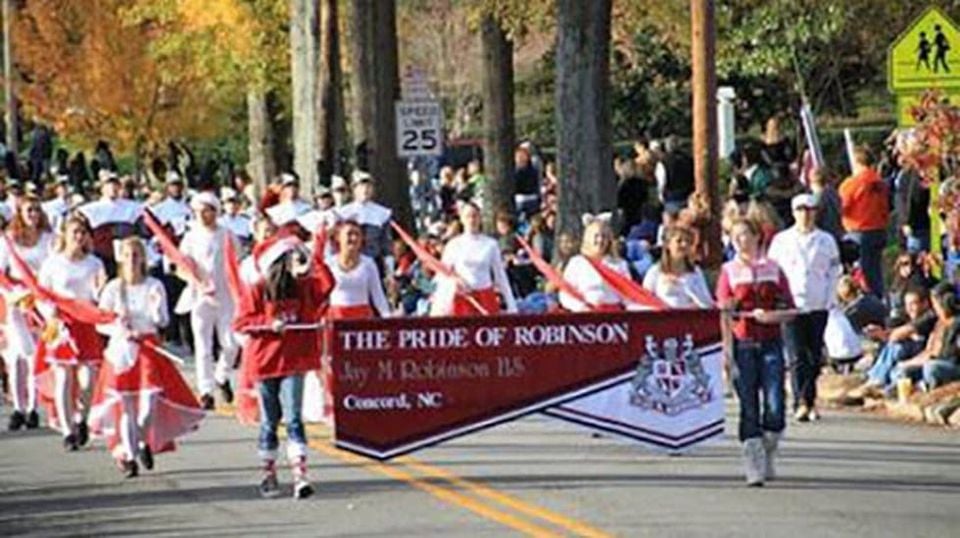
(505,499)
(319,439)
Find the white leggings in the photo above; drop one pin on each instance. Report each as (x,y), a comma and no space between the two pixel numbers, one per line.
(204,319)
(64,377)
(23,386)
(19,360)
(136,416)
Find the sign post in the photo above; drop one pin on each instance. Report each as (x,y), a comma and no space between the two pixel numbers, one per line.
(419,118)
(923,58)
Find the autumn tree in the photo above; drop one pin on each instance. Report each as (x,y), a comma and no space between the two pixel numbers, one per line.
(88,71)
(240,51)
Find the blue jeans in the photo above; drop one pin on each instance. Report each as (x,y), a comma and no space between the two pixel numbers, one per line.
(871,244)
(281,395)
(938,372)
(933,373)
(759,373)
(889,356)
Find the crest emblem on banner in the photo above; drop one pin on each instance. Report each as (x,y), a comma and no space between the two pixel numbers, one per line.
(670,379)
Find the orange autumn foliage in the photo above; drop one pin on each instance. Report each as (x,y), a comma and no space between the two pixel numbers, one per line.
(91,71)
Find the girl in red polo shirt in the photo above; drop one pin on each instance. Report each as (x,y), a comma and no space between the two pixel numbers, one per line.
(756,291)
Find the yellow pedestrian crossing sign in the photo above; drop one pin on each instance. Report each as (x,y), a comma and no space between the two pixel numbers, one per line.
(926,56)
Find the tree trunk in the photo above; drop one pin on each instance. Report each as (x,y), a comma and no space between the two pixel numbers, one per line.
(376,89)
(706,199)
(584,146)
(331,127)
(261,166)
(304,41)
(8,77)
(498,121)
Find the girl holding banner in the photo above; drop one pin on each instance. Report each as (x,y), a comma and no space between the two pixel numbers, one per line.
(755,289)
(584,271)
(69,345)
(358,289)
(479,273)
(280,315)
(141,403)
(676,279)
(357,294)
(30,236)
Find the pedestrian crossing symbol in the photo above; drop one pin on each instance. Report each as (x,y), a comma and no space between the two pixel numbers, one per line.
(926,55)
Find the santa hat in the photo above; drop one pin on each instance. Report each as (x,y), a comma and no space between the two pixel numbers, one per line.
(267,253)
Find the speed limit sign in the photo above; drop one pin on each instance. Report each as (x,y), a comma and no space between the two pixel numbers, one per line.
(419,129)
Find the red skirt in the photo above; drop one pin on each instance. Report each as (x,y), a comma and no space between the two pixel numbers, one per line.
(486,298)
(360,311)
(154,381)
(609,307)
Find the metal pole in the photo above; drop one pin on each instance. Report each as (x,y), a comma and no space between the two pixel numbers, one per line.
(8,76)
(703,46)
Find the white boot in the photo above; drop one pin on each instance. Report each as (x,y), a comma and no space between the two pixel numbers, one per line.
(754,461)
(771,443)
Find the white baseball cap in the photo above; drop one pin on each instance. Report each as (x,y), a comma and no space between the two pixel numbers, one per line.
(806,201)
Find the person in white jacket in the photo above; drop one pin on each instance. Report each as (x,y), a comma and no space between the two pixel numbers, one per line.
(811,260)
(475,259)
(207,299)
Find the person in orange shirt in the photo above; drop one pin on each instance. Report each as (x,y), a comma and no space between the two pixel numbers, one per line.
(865,212)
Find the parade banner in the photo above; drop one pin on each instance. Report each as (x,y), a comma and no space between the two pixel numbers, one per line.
(405,384)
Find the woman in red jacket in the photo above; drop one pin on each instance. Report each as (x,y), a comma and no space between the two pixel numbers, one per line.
(281,317)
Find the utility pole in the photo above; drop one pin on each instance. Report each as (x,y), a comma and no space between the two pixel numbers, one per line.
(8,76)
(706,180)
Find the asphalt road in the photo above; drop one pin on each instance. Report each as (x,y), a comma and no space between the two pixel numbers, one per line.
(848,475)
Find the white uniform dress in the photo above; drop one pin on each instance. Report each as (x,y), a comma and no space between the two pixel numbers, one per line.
(476,259)
(21,342)
(210,305)
(141,396)
(74,279)
(357,293)
(360,286)
(580,273)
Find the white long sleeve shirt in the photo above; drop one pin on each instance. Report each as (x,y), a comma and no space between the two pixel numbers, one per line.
(73,279)
(205,247)
(476,259)
(580,273)
(143,304)
(811,262)
(358,286)
(33,256)
(689,290)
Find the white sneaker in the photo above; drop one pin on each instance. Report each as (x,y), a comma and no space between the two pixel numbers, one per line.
(302,488)
(754,461)
(269,486)
(771,444)
(814,414)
